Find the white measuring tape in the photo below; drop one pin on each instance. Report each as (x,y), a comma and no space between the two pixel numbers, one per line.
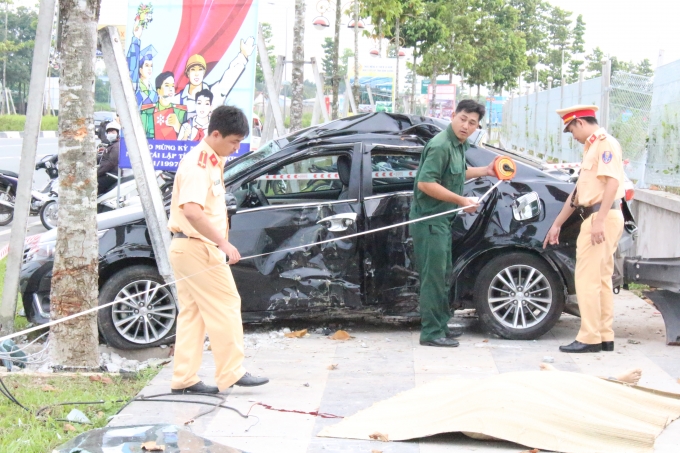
(326,176)
(349,236)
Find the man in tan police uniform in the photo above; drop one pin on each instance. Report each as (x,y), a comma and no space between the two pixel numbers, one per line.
(208,298)
(596,199)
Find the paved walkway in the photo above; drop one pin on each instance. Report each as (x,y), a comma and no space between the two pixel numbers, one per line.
(383,361)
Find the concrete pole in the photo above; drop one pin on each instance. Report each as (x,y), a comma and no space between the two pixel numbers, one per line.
(269,83)
(370,95)
(138,150)
(319,89)
(536,117)
(547,115)
(268,133)
(22,203)
(351,100)
(355,92)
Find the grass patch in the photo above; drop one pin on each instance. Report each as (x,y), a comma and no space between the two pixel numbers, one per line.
(16,123)
(23,432)
(637,289)
(20,322)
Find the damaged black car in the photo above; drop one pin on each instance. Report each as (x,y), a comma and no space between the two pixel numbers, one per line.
(345,177)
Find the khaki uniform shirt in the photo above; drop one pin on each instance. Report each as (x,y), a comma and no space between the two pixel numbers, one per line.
(443,162)
(199,180)
(602,156)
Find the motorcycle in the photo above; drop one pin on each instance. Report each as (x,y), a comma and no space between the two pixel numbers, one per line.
(9,181)
(123,194)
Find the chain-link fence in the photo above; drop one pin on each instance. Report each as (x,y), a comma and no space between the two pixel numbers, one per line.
(663,156)
(630,103)
(531,125)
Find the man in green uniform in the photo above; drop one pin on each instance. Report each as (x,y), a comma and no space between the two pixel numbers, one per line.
(438,188)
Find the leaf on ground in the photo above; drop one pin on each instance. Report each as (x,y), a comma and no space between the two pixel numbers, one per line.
(333,366)
(485,340)
(379,436)
(340,335)
(69,427)
(297,334)
(49,388)
(535,450)
(152,446)
(107,380)
(95,378)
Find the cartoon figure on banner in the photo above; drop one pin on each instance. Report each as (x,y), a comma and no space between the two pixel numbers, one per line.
(196,69)
(162,121)
(140,61)
(197,127)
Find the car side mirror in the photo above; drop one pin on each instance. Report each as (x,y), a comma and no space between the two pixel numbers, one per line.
(231,202)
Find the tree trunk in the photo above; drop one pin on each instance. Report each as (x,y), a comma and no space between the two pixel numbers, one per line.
(298,67)
(356,90)
(336,56)
(433,84)
(395,108)
(413,83)
(75,273)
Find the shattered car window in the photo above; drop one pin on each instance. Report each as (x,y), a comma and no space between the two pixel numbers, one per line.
(393,172)
(238,166)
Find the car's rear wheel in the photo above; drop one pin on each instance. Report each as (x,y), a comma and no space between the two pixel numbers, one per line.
(518,296)
(145,315)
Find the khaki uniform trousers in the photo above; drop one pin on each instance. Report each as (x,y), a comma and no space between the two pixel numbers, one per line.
(208,300)
(594,269)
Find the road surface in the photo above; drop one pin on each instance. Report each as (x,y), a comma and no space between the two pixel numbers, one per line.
(10,156)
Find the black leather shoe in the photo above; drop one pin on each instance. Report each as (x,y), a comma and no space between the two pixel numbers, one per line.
(199,387)
(454,333)
(441,342)
(248,380)
(578,347)
(608,346)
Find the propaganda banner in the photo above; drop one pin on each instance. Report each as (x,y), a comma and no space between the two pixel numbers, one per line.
(186,58)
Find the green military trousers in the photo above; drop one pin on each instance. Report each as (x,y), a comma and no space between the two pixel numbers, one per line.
(432,249)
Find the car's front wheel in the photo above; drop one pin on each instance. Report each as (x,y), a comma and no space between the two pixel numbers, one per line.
(145,312)
(519,296)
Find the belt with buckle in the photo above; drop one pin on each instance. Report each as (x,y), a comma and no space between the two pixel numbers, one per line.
(179,235)
(586,211)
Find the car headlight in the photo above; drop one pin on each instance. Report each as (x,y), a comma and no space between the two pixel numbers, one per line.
(527,207)
(43,250)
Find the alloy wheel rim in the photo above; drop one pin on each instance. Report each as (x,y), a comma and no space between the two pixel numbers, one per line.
(144,318)
(520,297)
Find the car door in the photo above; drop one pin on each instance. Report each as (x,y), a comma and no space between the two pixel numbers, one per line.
(390,276)
(298,201)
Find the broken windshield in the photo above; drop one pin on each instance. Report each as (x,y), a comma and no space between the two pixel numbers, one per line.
(248,160)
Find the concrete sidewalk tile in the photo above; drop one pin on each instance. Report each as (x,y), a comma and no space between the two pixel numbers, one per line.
(263,444)
(331,445)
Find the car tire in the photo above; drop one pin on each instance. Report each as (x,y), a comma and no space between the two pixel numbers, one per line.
(498,298)
(48,216)
(117,322)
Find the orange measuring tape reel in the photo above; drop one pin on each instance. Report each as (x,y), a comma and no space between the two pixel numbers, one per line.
(504,167)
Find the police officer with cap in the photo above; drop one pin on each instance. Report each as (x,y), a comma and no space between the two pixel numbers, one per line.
(596,199)
(208,298)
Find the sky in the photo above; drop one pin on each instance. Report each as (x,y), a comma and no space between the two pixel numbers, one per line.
(629,30)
